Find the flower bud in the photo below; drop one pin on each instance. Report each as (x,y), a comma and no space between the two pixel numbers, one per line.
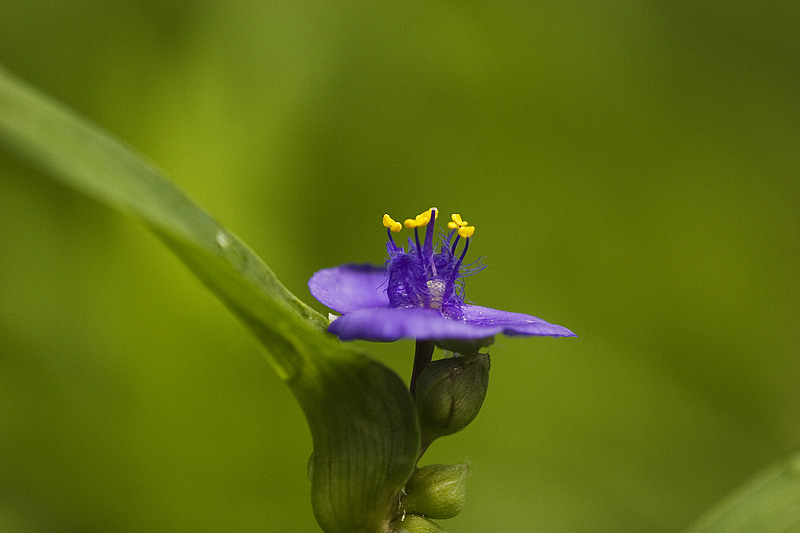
(450,393)
(436,491)
(412,523)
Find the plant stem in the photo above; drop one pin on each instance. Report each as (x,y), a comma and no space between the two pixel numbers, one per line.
(423,353)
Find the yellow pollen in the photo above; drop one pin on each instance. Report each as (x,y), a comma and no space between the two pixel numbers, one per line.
(420,220)
(457,221)
(392,224)
(466,231)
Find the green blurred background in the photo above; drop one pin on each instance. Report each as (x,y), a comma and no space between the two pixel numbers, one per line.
(631,167)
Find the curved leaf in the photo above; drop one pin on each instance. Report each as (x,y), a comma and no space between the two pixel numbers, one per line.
(770,502)
(360,413)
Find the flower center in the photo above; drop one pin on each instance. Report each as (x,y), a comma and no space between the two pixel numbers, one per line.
(436,288)
(425,275)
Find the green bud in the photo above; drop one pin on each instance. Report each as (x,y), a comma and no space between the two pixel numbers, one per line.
(450,393)
(412,523)
(437,491)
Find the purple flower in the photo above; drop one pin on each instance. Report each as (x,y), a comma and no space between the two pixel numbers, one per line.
(418,294)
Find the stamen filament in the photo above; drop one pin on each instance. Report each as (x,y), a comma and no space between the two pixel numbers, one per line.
(459,226)
(464,251)
(391,239)
(427,252)
(423,219)
(392,226)
(455,243)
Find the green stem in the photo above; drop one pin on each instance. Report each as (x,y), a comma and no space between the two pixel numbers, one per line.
(423,353)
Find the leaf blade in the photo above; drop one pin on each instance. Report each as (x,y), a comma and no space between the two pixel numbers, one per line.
(768,502)
(84,157)
(359,412)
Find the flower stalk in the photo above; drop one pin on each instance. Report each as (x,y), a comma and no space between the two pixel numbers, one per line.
(423,353)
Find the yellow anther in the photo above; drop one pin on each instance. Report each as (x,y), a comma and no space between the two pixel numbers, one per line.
(466,231)
(420,220)
(392,224)
(457,221)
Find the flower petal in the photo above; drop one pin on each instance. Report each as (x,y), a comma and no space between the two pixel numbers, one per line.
(394,323)
(349,287)
(512,323)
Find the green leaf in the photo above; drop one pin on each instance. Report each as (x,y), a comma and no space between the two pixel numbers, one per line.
(769,502)
(360,413)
